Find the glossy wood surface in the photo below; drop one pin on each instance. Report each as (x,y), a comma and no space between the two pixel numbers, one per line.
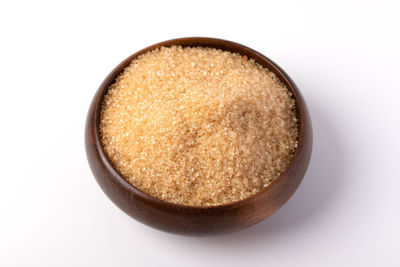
(188,220)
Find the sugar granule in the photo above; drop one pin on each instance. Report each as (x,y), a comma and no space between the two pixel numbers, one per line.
(198,126)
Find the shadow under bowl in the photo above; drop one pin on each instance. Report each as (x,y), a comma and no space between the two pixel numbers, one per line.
(189,220)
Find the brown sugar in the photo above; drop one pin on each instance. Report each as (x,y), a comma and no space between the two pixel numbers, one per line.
(198,126)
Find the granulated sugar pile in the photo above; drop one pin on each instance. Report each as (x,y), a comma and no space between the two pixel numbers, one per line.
(198,126)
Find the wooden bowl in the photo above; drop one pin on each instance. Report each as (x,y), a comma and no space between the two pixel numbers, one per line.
(189,220)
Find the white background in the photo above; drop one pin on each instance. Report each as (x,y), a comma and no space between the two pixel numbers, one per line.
(344,57)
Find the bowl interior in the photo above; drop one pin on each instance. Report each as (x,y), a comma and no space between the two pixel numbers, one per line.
(203,42)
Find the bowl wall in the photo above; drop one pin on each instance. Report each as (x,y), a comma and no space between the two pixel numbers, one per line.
(189,220)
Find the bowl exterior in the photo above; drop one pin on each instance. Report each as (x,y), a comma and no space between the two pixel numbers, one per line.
(188,220)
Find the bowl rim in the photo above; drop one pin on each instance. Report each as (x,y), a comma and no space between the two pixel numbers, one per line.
(203,42)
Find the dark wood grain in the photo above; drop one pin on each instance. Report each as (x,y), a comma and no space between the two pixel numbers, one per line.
(188,220)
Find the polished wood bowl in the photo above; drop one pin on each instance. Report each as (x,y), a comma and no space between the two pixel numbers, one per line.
(188,220)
